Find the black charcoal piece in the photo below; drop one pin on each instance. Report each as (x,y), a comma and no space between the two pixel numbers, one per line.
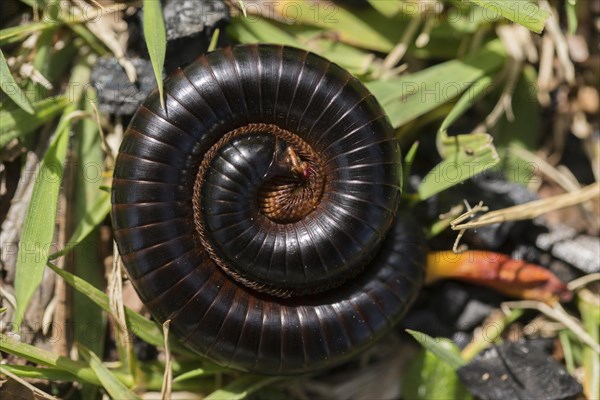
(189,26)
(185,18)
(452,309)
(464,306)
(517,371)
(580,251)
(116,94)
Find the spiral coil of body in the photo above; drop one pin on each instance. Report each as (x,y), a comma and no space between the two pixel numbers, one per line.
(258,211)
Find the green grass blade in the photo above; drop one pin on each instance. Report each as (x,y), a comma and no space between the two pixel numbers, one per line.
(214,40)
(90,205)
(571,11)
(40,220)
(113,386)
(407,164)
(523,12)
(565,342)
(152,379)
(12,88)
(242,387)
(48,373)
(38,231)
(44,62)
(590,317)
(90,38)
(44,357)
(96,213)
(243,8)
(464,157)
(15,33)
(198,372)
(434,345)
(17,123)
(145,329)
(156,39)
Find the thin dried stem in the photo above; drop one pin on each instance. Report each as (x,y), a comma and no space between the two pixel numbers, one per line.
(583,281)
(557,313)
(469,213)
(398,52)
(533,209)
(167,385)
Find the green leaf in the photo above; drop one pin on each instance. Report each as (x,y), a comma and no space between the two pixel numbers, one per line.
(411,96)
(465,102)
(464,157)
(40,221)
(44,357)
(310,38)
(156,39)
(442,348)
(523,12)
(115,388)
(467,17)
(389,8)
(255,31)
(17,123)
(523,131)
(12,88)
(360,27)
(428,377)
(242,387)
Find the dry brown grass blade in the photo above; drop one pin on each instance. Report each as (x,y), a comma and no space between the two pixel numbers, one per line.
(115,294)
(532,209)
(167,385)
(557,313)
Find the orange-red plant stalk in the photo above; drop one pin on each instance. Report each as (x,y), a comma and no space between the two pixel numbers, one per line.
(497,271)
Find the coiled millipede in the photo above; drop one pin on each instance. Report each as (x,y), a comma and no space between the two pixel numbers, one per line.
(258,211)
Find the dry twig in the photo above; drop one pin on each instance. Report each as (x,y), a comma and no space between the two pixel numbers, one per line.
(532,209)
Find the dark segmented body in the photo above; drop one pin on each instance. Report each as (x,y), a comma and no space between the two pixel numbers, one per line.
(366,262)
